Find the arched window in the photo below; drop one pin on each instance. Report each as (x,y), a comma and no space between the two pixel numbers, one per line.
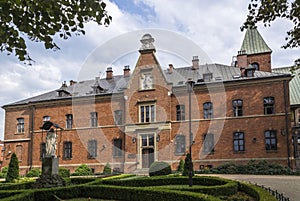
(255,65)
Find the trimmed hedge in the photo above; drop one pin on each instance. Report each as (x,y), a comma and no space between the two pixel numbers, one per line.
(161,181)
(159,168)
(154,188)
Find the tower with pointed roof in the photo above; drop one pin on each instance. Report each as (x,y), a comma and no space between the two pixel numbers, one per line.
(254,51)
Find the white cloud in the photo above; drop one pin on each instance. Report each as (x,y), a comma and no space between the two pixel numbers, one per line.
(213,25)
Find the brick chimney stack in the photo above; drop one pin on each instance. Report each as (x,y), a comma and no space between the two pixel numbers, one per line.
(171,68)
(109,73)
(195,62)
(126,71)
(72,82)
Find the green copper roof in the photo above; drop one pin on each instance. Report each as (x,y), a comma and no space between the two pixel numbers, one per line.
(253,43)
(294,84)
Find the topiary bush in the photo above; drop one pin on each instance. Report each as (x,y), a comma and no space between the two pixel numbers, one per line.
(159,168)
(107,169)
(180,166)
(34,173)
(13,169)
(187,166)
(83,170)
(3,172)
(64,172)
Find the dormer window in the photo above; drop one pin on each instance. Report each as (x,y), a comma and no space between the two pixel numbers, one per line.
(249,72)
(207,76)
(62,91)
(97,88)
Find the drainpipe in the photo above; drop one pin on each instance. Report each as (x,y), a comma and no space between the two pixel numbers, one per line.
(31,132)
(286,121)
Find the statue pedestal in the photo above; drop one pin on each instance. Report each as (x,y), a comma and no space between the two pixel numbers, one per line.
(49,177)
(50,166)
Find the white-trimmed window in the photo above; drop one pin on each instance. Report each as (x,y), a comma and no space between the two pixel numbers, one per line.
(147,113)
(20,125)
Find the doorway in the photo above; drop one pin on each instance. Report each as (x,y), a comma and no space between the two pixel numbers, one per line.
(147,157)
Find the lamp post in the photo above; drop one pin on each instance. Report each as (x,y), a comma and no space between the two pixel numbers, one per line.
(190,85)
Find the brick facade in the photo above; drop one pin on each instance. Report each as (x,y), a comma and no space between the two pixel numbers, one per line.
(149,128)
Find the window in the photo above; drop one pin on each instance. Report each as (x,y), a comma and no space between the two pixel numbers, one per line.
(180,112)
(46,118)
(208,110)
(238,141)
(208,145)
(117,148)
(69,121)
(147,140)
(19,152)
(92,148)
(237,106)
(269,105)
(271,140)
(147,113)
(118,117)
(255,65)
(67,150)
(42,150)
(94,119)
(20,125)
(180,144)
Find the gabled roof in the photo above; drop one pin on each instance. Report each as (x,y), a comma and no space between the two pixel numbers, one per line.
(294,84)
(178,77)
(253,43)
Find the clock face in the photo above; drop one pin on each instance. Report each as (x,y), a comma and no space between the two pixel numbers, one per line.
(147,81)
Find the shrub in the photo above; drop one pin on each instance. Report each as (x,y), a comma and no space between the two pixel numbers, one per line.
(34,173)
(107,169)
(64,172)
(13,169)
(159,168)
(187,165)
(83,170)
(180,166)
(3,172)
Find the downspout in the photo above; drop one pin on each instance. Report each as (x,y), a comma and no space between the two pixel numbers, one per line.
(286,121)
(31,132)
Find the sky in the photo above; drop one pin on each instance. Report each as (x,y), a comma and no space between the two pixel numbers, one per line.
(213,26)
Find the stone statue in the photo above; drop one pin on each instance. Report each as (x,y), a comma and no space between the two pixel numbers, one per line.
(50,143)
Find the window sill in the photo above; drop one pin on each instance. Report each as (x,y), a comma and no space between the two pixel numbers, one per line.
(67,159)
(271,151)
(239,152)
(20,133)
(117,156)
(179,154)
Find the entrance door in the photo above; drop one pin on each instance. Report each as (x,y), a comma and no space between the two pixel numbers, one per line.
(147,157)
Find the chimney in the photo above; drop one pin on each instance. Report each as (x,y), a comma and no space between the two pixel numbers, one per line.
(171,68)
(109,73)
(242,59)
(126,71)
(243,71)
(195,62)
(72,82)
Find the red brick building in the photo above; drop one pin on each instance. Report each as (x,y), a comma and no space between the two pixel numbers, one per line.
(237,114)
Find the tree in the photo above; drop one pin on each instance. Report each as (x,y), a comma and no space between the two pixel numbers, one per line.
(41,21)
(13,169)
(187,162)
(268,11)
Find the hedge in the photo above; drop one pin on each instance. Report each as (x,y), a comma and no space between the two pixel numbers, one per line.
(141,189)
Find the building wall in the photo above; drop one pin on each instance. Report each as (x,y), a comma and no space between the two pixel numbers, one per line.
(164,129)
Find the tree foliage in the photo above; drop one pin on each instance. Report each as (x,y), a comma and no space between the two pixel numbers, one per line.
(13,169)
(267,11)
(40,21)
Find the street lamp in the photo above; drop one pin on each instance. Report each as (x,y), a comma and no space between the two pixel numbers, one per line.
(190,85)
